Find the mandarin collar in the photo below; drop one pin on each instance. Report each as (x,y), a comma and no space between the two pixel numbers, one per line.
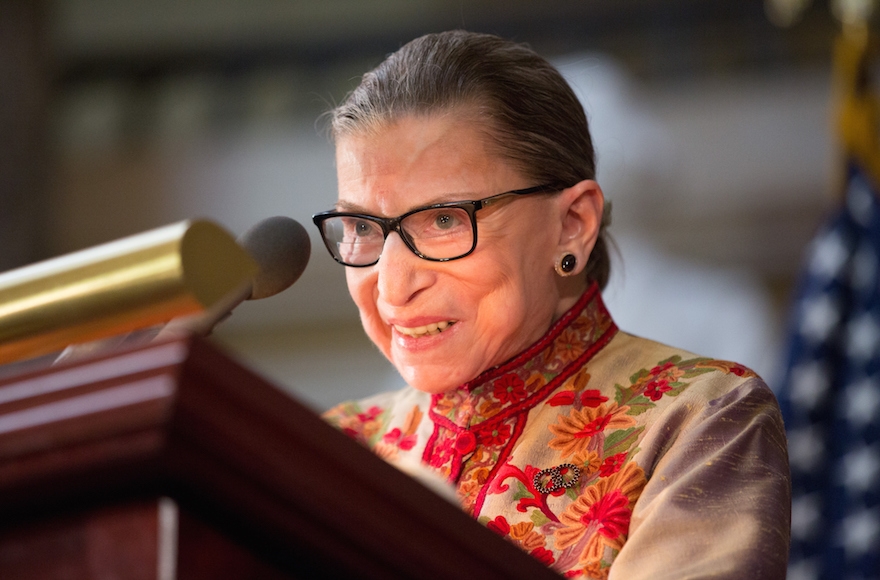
(525,380)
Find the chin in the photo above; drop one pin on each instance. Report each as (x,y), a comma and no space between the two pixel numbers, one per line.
(428,386)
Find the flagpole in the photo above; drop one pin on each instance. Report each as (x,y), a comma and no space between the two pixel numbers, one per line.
(858,109)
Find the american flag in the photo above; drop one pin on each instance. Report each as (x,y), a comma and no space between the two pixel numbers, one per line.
(830,395)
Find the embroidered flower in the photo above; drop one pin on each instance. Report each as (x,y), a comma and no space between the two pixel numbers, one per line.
(387,451)
(575,432)
(611,515)
(499,525)
(601,515)
(525,534)
(490,407)
(445,405)
(509,389)
(479,474)
(442,452)
(494,435)
(588,461)
(655,389)
(589,398)
(453,404)
(562,398)
(467,492)
(543,555)
(363,425)
(396,437)
(471,482)
(568,346)
(728,367)
(612,464)
(595,571)
(370,414)
(592,398)
(659,380)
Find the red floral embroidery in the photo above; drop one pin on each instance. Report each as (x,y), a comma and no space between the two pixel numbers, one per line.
(656,388)
(509,389)
(495,436)
(600,516)
(543,555)
(659,384)
(362,426)
(611,513)
(612,464)
(727,367)
(661,379)
(597,425)
(563,398)
(442,453)
(527,478)
(524,535)
(574,433)
(592,398)
(395,437)
(499,525)
(392,436)
(659,369)
(370,414)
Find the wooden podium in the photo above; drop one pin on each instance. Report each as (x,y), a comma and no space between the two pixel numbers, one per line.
(173,461)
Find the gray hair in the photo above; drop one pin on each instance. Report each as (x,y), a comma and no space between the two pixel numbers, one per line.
(530,113)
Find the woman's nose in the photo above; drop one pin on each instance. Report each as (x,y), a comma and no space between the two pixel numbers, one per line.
(402,274)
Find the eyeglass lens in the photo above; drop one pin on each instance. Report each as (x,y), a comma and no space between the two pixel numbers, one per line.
(436,233)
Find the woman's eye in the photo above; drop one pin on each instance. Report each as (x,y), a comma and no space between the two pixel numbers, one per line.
(362,228)
(445,221)
(436,222)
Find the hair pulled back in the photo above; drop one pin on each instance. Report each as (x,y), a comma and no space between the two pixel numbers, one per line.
(528,110)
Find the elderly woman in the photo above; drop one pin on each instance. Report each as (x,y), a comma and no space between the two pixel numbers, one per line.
(472,232)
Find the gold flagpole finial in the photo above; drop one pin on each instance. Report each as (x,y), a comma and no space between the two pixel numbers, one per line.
(858,106)
(853,15)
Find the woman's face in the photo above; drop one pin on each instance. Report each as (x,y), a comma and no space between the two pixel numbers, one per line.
(489,305)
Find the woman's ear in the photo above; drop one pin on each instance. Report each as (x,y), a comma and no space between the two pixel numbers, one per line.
(581,207)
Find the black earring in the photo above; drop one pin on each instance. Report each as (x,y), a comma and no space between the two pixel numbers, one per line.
(566,265)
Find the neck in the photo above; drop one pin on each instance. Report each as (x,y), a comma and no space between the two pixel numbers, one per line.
(570,290)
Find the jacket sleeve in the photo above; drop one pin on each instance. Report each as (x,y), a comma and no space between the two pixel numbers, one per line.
(718,501)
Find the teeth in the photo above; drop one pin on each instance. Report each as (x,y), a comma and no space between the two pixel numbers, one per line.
(433,328)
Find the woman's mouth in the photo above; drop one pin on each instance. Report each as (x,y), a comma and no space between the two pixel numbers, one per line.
(427,330)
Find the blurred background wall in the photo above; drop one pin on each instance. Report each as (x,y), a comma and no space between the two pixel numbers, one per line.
(711,121)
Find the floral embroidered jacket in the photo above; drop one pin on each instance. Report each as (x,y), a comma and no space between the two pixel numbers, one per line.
(605,455)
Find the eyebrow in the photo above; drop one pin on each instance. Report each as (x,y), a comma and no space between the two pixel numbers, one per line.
(350,207)
(346,206)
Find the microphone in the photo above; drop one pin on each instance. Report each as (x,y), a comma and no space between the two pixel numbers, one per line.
(281,248)
(120,287)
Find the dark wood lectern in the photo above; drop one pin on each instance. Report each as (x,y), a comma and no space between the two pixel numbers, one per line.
(172,461)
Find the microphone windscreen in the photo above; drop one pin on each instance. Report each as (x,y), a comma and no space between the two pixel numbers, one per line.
(281,247)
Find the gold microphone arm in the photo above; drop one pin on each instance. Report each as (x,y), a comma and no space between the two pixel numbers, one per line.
(129,284)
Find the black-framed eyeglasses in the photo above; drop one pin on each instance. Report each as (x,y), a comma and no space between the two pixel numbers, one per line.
(439,232)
